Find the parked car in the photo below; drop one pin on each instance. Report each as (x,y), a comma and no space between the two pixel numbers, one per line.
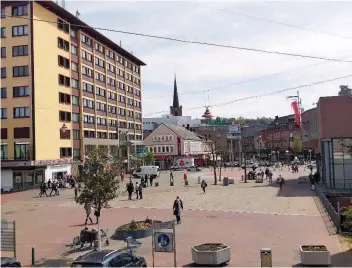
(194,169)
(10,262)
(151,171)
(250,165)
(109,258)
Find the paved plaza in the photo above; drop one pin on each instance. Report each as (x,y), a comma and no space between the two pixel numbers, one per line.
(245,216)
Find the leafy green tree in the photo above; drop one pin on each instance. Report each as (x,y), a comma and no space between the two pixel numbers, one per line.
(347,223)
(297,145)
(149,158)
(100,179)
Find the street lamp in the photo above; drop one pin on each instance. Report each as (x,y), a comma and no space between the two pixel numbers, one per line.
(310,156)
(259,144)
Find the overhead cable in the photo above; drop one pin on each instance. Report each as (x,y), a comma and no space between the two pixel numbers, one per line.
(261,95)
(193,42)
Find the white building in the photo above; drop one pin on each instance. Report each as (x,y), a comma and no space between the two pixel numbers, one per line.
(149,124)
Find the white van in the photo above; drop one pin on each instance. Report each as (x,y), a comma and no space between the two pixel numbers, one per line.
(151,171)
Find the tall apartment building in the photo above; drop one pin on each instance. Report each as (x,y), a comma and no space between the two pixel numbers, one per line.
(65,89)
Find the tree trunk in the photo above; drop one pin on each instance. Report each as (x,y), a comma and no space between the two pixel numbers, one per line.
(215,178)
(220,167)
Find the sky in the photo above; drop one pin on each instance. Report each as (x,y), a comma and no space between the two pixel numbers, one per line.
(215,72)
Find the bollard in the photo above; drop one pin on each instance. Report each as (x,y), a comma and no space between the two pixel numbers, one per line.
(198,179)
(242,178)
(266,257)
(33,256)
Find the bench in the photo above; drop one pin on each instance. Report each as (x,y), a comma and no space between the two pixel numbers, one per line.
(76,241)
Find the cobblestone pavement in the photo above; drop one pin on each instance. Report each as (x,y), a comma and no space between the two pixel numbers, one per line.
(294,199)
(48,224)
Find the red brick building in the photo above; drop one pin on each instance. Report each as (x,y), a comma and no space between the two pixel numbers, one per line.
(278,137)
(328,128)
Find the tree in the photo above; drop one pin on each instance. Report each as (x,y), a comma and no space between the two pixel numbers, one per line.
(100,179)
(297,145)
(214,155)
(347,223)
(149,158)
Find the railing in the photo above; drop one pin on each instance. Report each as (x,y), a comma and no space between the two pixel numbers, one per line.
(334,216)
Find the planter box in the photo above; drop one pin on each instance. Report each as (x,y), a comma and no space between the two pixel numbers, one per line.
(135,234)
(211,257)
(318,258)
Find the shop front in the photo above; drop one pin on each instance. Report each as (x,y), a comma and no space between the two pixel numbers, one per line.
(24,175)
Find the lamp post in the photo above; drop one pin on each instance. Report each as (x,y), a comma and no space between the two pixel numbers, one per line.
(310,156)
(259,144)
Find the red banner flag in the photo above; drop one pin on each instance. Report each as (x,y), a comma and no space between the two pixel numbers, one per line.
(296,111)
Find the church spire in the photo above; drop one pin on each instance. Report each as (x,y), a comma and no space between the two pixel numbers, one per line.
(175,109)
(175,103)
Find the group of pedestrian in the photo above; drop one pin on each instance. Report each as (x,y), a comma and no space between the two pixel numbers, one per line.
(138,189)
(268,175)
(88,209)
(294,168)
(53,186)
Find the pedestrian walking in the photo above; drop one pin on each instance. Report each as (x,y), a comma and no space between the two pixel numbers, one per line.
(88,209)
(146,180)
(97,214)
(130,189)
(281,181)
(171,175)
(140,191)
(137,190)
(270,176)
(53,188)
(122,176)
(76,192)
(43,190)
(49,184)
(177,207)
(203,185)
(151,180)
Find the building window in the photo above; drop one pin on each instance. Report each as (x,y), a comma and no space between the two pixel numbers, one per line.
(3,12)
(64,62)
(21,133)
(65,135)
(111,95)
(20,30)
(65,152)
(99,62)
(110,81)
(87,56)
(76,134)
(88,119)
(19,51)
(4,152)
(20,71)
(74,83)
(87,71)
(110,67)
(74,50)
(73,33)
(64,116)
(99,47)
(110,54)
(89,148)
(86,40)
(74,66)
(101,106)
(3,113)
(88,103)
(3,72)
(22,91)
(19,10)
(75,100)
(20,112)
(63,44)
(75,117)
(22,151)
(3,52)
(3,32)
(3,93)
(76,154)
(88,87)
(63,25)
(99,91)
(100,77)
(64,98)
(3,133)
(64,80)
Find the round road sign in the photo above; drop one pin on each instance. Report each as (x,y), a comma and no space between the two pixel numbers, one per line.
(182,163)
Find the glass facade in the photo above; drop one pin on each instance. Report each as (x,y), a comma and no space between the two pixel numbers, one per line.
(336,163)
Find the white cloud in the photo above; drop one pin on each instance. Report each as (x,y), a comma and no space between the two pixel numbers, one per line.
(201,67)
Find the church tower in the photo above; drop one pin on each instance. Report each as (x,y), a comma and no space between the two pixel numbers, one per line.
(175,109)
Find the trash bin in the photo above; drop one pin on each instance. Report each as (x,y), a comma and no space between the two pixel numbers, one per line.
(225,181)
(266,257)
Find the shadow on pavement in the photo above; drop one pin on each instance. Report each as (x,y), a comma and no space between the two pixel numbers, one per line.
(293,188)
(53,263)
(341,259)
(196,265)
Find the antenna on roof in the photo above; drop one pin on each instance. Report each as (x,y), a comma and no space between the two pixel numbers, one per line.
(77,14)
(120,44)
(131,52)
(64,4)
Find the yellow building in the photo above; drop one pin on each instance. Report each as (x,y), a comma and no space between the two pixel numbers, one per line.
(65,89)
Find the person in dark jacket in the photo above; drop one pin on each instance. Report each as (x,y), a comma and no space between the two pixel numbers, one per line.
(130,189)
(203,185)
(43,190)
(177,207)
